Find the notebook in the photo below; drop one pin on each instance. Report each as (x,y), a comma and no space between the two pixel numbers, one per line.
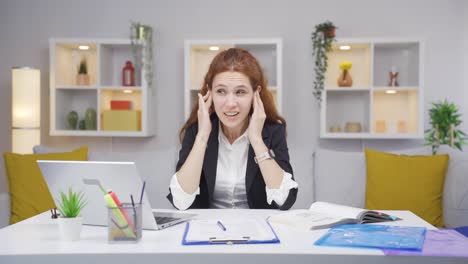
(325,215)
(121,177)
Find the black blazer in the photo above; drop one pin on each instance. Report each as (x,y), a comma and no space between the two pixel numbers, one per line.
(274,137)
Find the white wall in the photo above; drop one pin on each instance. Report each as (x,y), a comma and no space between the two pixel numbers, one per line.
(26,26)
(464,87)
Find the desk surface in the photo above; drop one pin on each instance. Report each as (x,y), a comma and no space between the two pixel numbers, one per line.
(37,239)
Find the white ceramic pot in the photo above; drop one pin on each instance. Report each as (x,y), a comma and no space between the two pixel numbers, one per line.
(70,228)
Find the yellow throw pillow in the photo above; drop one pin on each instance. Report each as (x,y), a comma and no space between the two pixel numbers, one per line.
(400,182)
(29,194)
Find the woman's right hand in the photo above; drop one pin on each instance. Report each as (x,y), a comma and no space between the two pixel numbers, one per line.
(204,121)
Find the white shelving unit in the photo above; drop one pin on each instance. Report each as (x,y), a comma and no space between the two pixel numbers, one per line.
(105,60)
(198,57)
(382,111)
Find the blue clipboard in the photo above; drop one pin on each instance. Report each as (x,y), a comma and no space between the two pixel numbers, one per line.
(229,241)
(374,236)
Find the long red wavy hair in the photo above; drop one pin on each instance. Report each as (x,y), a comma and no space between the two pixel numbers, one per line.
(237,60)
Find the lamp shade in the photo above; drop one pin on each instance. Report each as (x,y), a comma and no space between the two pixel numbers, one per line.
(26,108)
(23,140)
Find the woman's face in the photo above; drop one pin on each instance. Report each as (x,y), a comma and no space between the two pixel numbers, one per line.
(232,99)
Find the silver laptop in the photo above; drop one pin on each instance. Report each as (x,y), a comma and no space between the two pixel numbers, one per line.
(121,177)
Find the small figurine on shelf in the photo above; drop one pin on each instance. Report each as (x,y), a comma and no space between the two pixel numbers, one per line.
(82,78)
(335,129)
(353,127)
(393,74)
(345,79)
(402,126)
(380,126)
(128,74)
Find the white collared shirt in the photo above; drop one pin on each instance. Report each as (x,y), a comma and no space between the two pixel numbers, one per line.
(229,190)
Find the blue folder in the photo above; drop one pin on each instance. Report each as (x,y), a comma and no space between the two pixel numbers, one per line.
(374,236)
(237,239)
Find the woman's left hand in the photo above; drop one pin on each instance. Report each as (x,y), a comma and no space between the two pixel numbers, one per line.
(257,120)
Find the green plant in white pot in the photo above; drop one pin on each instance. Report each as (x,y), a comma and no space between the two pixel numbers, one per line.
(82,78)
(444,121)
(70,205)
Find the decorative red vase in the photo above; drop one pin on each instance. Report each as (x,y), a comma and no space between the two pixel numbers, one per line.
(128,74)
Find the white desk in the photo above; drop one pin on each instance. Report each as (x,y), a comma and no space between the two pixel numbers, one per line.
(36,240)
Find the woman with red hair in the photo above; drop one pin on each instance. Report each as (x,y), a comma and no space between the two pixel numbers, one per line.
(234,152)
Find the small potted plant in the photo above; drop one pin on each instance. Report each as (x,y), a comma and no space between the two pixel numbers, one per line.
(444,121)
(322,39)
(70,220)
(82,78)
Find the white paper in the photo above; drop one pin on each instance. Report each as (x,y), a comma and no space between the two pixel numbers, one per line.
(341,211)
(238,229)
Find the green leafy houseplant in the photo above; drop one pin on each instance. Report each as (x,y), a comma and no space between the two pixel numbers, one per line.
(83,68)
(71,205)
(322,39)
(444,121)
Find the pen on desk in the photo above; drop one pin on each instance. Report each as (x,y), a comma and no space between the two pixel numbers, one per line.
(142,191)
(221,225)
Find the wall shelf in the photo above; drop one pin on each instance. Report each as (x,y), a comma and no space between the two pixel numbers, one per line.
(105,59)
(382,111)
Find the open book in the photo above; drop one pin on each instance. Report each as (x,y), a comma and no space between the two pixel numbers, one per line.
(324,215)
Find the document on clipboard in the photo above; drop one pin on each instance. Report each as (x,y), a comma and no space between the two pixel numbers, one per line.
(235,231)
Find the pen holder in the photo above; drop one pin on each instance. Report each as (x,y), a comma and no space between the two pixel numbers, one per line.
(124,223)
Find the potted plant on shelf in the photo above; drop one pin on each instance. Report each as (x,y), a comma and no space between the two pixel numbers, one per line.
(70,220)
(444,121)
(82,78)
(322,39)
(141,37)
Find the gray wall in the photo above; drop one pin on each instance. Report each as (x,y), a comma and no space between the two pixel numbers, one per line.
(26,26)
(465,61)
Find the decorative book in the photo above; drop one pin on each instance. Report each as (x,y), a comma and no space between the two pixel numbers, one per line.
(121,105)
